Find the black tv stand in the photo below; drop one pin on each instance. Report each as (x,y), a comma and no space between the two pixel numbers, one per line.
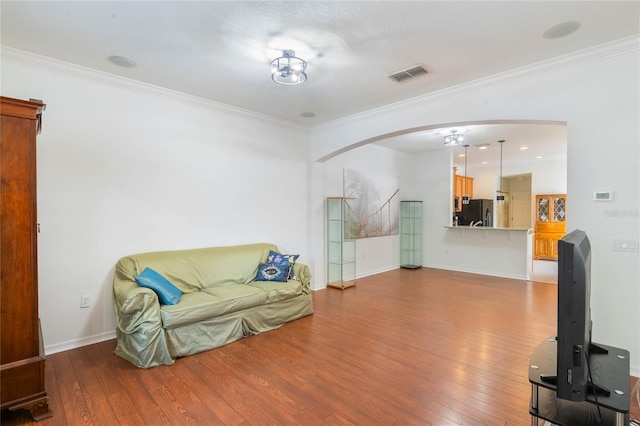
(552,379)
(595,348)
(598,390)
(609,368)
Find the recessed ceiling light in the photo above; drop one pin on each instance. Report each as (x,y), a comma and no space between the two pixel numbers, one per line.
(121,61)
(524,148)
(538,156)
(561,30)
(461,155)
(484,162)
(483,146)
(307,114)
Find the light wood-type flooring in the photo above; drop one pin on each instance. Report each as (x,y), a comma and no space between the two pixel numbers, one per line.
(406,347)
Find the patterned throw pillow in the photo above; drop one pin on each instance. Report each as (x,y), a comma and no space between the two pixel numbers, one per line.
(278,258)
(273,271)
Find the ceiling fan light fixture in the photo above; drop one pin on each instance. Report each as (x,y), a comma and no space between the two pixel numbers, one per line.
(288,69)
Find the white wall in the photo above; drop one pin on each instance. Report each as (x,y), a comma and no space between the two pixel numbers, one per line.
(547,177)
(376,254)
(596,93)
(126,168)
(113,151)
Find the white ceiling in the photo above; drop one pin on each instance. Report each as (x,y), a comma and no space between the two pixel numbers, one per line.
(222,50)
(523,142)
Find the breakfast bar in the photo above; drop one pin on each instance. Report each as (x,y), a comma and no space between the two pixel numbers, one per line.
(506,252)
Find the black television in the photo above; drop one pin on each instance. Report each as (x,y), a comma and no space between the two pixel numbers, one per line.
(574,345)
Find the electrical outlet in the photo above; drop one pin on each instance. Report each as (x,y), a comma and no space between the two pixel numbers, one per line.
(85,301)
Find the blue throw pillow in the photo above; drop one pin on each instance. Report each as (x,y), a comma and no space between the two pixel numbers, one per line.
(278,258)
(273,271)
(167,292)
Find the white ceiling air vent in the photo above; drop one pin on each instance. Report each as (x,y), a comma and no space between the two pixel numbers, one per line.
(408,73)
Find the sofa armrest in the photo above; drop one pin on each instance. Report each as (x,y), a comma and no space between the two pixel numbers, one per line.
(134,305)
(303,273)
(139,330)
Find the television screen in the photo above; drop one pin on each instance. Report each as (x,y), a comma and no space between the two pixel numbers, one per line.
(574,316)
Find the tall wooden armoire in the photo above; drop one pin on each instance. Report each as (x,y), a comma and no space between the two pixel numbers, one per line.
(21,348)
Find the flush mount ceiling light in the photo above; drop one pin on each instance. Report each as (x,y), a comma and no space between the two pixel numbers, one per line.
(454,138)
(288,69)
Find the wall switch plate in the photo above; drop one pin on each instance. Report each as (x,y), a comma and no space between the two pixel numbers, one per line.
(625,244)
(85,301)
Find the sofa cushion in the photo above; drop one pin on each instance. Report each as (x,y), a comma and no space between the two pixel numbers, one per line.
(209,303)
(167,292)
(273,271)
(278,291)
(279,258)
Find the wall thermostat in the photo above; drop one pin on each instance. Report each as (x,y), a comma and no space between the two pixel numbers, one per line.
(603,196)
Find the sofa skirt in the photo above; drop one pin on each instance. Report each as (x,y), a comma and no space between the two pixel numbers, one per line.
(214,332)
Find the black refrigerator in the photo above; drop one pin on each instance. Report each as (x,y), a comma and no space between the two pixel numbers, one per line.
(476,211)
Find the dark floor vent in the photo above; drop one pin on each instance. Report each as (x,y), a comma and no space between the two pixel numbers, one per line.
(408,74)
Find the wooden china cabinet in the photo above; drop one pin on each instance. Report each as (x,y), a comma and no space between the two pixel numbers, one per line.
(21,348)
(551,225)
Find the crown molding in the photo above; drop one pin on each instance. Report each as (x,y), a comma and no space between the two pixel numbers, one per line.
(45,63)
(599,52)
(592,54)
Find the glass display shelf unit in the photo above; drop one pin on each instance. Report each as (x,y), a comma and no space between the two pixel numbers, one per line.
(341,252)
(411,234)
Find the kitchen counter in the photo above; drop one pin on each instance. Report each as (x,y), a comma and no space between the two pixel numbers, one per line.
(505,252)
(488,228)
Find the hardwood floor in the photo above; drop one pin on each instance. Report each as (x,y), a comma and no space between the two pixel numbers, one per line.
(407,347)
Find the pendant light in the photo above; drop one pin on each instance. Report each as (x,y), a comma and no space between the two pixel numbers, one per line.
(500,196)
(465,196)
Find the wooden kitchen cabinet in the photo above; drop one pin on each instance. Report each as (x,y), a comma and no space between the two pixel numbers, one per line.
(461,185)
(551,225)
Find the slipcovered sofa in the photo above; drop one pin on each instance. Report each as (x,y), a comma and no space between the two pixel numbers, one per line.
(221,301)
